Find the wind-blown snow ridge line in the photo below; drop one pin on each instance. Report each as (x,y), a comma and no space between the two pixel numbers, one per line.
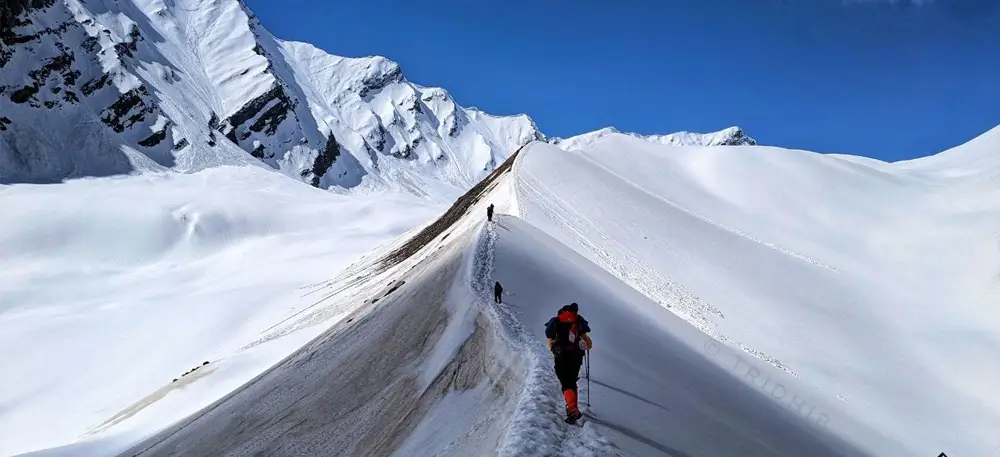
(365,270)
(456,211)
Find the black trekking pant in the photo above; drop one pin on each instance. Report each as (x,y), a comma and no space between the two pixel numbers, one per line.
(568,364)
(496,296)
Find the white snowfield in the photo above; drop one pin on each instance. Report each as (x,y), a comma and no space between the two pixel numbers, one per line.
(745,301)
(113,287)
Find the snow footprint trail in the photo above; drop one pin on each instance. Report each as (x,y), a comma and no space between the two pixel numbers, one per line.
(536,427)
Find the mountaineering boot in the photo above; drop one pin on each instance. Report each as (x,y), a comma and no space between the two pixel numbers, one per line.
(572,411)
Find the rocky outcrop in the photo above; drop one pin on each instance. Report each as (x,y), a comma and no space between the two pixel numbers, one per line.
(70,95)
(128,109)
(738,137)
(157,137)
(10,10)
(325,160)
(13,16)
(259,119)
(376,82)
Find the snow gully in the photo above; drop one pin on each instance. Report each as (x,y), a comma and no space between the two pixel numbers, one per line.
(750,374)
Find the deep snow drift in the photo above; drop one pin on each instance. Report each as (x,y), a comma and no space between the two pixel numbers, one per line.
(113,287)
(873,284)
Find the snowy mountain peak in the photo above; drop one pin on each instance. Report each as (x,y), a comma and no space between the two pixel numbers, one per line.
(732,136)
(142,85)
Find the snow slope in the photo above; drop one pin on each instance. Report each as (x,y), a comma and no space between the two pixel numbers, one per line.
(731,316)
(871,283)
(659,387)
(428,366)
(138,85)
(418,367)
(113,287)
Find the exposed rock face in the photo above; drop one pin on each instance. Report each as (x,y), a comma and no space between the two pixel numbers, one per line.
(70,96)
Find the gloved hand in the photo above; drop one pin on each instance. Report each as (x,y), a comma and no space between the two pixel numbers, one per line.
(585,343)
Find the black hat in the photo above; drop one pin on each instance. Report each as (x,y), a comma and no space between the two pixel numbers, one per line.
(574,307)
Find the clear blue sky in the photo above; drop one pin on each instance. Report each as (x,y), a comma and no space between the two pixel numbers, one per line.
(890,80)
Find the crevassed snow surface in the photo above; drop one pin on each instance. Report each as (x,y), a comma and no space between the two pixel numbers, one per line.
(868,283)
(113,287)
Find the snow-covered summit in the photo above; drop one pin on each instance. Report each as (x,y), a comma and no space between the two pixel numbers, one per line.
(139,85)
(732,136)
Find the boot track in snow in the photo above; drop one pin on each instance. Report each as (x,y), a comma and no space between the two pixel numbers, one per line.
(537,426)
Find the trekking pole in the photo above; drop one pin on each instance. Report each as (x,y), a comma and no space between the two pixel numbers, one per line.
(588,377)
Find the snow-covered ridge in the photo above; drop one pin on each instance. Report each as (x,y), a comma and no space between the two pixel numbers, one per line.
(140,85)
(732,136)
(208,266)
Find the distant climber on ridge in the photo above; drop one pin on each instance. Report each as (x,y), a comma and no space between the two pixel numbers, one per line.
(497,292)
(569,339)
(489,212)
